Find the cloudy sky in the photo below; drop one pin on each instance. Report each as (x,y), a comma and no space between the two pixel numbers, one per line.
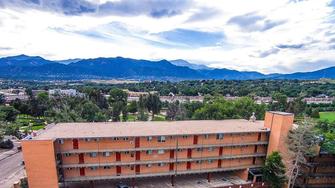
(262,35)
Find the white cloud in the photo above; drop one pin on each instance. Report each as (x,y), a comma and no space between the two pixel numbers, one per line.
(281,38)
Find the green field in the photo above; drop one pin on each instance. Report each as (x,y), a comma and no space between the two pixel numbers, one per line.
(329,116)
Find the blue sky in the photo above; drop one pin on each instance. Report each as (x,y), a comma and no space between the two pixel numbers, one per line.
(260,35)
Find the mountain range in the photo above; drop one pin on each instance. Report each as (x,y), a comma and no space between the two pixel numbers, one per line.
(38,68)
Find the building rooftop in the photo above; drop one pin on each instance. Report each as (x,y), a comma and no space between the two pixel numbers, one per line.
(132,129)
(281,113)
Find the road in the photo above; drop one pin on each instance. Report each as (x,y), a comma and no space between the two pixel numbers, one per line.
(11,169)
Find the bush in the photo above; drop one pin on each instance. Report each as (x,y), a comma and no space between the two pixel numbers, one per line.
(315,113)
(7,144)
(24,183)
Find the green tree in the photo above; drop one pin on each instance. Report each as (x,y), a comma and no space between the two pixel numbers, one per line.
(315,113)
(21,106)
(302,142)
(327,131)
(96,96)
(2,99)
(297,106)
(141,107)
(219,108)
(274,170)
(191,107)
(90,111)
(175,111)
(8,113)
(132,107)
(153,104)
(279,102)
(118,103)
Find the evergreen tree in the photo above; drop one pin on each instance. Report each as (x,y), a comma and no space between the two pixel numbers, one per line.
(274,171)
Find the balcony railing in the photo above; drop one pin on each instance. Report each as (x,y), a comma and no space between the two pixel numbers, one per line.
(87,178)
(164,148)
(173,160)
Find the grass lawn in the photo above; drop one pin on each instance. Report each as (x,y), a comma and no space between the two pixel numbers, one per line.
(159,117)
(37,127)
(330,116)
(132,117)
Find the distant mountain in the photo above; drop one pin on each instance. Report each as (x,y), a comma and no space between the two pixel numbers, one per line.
(35,67)
(23,60)
(323,73)
(228,74)
(120,67)
(68,61)
(183,63)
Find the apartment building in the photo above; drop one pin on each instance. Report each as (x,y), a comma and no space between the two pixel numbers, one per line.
(72,152)
(319,171)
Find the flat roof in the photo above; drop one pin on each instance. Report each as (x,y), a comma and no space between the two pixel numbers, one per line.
(148,128)
(281,113)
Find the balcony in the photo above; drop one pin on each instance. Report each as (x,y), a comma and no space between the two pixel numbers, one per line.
(88,178)
(165,148)
(163,161)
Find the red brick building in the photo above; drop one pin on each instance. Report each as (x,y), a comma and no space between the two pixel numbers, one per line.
(71,152)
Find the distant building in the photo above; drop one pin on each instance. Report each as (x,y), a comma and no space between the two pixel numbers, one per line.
(181,99)
(319,100)
(79,152)
(263,100)
(65,92)
(13,94)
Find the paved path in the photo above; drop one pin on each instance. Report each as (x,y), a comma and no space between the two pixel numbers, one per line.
(11,168)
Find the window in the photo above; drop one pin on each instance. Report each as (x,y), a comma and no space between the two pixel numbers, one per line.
(107,167)
(161,151)
(161,164)
(180,150)
(219,136)
(126,152)
(106,154)
(149,138)
(125,138)
(60,141)
(96,139)
(198,162)
(206,136)
(68,168)
(87,139)
(149,152)
(67,154)
(210,161)
(161,139)
(148,165)
(210,149)
(199,149)
(93,154)
(185,136)
(93,168)
(115,138)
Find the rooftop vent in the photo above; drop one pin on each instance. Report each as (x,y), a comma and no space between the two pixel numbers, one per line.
(253,117)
